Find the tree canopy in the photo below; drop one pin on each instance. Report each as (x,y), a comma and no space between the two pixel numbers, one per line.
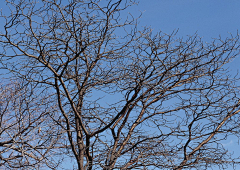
(98,90)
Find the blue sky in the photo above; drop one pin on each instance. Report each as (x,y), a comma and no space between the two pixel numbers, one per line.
(210,18)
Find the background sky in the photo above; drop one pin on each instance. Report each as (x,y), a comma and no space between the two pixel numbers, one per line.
(209,18)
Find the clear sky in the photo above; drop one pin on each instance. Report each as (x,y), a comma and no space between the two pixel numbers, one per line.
(210,18)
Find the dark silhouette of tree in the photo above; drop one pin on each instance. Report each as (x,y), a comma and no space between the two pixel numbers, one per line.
(126,98)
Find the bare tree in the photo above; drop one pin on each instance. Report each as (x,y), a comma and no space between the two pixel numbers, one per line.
(128,99)
(27,138)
